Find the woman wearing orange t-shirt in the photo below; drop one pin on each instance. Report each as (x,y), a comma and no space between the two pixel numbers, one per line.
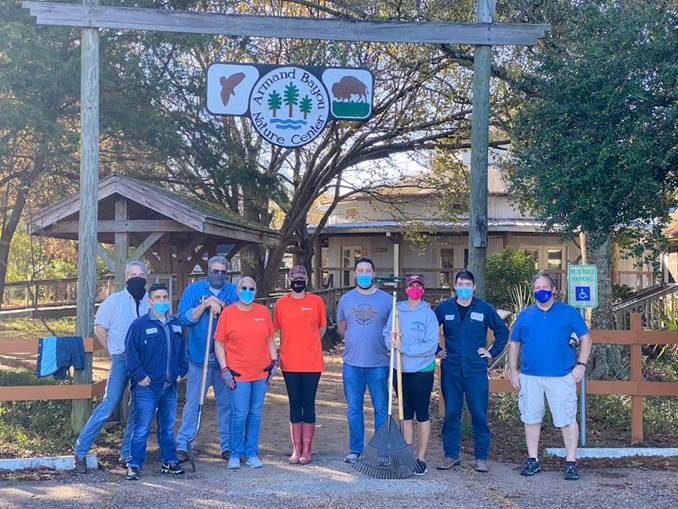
(301,318)
(246,357)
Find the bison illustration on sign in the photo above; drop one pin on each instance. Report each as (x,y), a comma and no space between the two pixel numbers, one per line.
(349,86)
(228,85)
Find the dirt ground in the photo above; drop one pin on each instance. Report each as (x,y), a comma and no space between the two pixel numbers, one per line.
(328,482)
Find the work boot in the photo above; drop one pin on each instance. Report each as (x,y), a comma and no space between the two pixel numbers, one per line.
(80,465)
(307,439)
(481,466)
(448,463)
(132,474)
(296,433)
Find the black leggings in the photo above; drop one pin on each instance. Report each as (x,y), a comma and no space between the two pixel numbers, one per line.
(301,389)
(417,389)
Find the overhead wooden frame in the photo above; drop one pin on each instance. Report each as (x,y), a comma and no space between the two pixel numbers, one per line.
(163,20)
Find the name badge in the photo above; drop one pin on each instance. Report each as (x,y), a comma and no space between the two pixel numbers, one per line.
(477,316)
(257,319)
(449,317)
(152,330)
(176,328)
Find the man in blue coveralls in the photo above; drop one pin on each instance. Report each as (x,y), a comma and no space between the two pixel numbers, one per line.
(209,295)
(465,321)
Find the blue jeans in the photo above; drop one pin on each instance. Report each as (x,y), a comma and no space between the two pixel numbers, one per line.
(476,390)
(115,388)
(247,400)
(355,380)
(189,417)
(147,401)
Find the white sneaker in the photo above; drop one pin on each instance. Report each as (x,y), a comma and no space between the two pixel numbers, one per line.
(351,457)
(254,462)
(233,463)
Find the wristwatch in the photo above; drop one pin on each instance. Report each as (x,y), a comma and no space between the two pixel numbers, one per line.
(579,363)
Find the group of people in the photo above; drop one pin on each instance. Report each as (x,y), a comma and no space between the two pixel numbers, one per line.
(150,353)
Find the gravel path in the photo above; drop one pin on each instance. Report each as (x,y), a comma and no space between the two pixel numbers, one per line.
(330,483)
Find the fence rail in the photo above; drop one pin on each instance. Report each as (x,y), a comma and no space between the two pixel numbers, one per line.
(47,392)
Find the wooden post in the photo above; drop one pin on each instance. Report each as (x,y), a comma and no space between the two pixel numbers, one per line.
(477,245)
(318,269)
(121,243)
(87,227)
(636,377)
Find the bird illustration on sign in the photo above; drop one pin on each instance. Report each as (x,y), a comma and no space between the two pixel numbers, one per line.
(228,86)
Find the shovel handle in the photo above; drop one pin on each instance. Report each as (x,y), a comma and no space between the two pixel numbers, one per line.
(203,380)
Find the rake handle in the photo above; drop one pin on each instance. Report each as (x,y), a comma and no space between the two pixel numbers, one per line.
(401,411)
(391,362)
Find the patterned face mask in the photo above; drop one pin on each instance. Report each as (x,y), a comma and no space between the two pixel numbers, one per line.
(216,279)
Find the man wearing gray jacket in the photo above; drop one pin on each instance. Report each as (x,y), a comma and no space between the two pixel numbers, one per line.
(417,344)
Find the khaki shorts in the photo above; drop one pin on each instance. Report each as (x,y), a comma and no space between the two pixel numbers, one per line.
(560,392)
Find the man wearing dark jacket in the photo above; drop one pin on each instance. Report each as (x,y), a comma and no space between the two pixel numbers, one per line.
(156,362)
(465,321)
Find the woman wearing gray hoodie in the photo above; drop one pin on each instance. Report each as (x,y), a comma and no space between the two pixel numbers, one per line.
(417,343)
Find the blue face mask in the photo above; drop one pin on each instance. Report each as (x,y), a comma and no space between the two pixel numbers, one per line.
(364,280)
(543,296)
(161,307)
(464,292)
(247,296)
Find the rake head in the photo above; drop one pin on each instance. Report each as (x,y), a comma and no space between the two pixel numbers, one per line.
(387,455)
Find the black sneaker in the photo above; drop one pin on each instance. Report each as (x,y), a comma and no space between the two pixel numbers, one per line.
(420,469)
(80,465)
(171,468)
(531,467)
(225,455)
(571,473)
(132,474)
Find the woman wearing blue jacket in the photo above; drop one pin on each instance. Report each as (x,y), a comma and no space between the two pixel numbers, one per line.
(417,343)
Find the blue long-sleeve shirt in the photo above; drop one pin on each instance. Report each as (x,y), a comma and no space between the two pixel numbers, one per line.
(147,353)
(193,295)
(462,339)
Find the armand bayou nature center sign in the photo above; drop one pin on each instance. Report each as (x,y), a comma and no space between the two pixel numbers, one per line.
(289,105)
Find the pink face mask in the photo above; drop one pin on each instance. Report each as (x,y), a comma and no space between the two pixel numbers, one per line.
(414,292)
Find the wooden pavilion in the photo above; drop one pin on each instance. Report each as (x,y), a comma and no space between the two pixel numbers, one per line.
(138,220)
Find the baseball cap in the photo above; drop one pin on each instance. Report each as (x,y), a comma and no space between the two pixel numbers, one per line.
(414,278)
(298,271)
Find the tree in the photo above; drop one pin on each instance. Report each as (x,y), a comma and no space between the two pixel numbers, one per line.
(506,270)
(306,106)
(274,102)
(596,144)
(291,97)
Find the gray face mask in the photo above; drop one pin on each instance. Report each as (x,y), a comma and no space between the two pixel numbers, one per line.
(216,279)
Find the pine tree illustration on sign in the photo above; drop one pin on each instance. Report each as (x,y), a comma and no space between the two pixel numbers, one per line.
(274,102)
(291,97)
(306,106)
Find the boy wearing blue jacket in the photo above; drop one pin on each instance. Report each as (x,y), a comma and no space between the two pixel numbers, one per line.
(417,343)
(156,362)
(465,321)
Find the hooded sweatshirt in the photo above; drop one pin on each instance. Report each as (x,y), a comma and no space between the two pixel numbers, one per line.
(418,336)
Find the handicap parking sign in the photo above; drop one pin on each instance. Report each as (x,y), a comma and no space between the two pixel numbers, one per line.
(582,293)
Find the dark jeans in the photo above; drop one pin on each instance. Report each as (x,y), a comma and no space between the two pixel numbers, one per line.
(147,401)
(476,390)
(301,389)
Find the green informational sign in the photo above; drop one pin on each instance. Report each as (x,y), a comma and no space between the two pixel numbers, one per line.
(582,286)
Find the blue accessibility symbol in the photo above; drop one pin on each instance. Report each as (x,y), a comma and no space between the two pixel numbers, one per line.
(582,293)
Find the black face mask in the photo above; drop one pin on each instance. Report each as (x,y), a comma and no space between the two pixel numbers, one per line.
(298,286)
(136,286)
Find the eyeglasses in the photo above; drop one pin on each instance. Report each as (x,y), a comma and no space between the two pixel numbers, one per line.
(217,271)
(250,288)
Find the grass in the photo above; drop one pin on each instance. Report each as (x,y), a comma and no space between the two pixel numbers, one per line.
(31,328)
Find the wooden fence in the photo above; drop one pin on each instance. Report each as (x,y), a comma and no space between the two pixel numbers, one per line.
(47,392)
(635,386)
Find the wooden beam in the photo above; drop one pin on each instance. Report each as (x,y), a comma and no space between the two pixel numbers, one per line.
(235,250)
(130,226)
(81,393)
(106,257)
(121,242)
(146,245)
(23,346)
(163,20)
(87,231)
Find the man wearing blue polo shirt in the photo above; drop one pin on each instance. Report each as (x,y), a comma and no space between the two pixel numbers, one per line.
(548,367)
(199,299)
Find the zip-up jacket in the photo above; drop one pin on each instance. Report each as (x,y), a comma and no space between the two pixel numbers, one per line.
(418,335)
(193,295)
(146,351)
(462,339)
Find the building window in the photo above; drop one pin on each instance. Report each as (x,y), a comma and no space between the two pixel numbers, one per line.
(351,213)
(554,259)
(466,258)
(534,253)
(446,262)
(348,258)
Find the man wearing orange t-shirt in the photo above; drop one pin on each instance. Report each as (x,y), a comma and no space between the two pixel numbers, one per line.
(246,353)
(301,318)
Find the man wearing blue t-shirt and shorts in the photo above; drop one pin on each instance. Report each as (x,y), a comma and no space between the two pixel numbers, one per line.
(549,366)
(361,316)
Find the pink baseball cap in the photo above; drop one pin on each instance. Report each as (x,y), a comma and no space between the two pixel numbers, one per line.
(414,278)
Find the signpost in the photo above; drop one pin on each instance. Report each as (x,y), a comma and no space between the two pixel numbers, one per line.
(582,293)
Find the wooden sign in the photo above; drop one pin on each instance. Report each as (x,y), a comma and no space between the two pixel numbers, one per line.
(289,105)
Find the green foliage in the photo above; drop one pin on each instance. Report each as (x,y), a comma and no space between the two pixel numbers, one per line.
(40,258)
(596,145)
(621,292)
(506,269)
